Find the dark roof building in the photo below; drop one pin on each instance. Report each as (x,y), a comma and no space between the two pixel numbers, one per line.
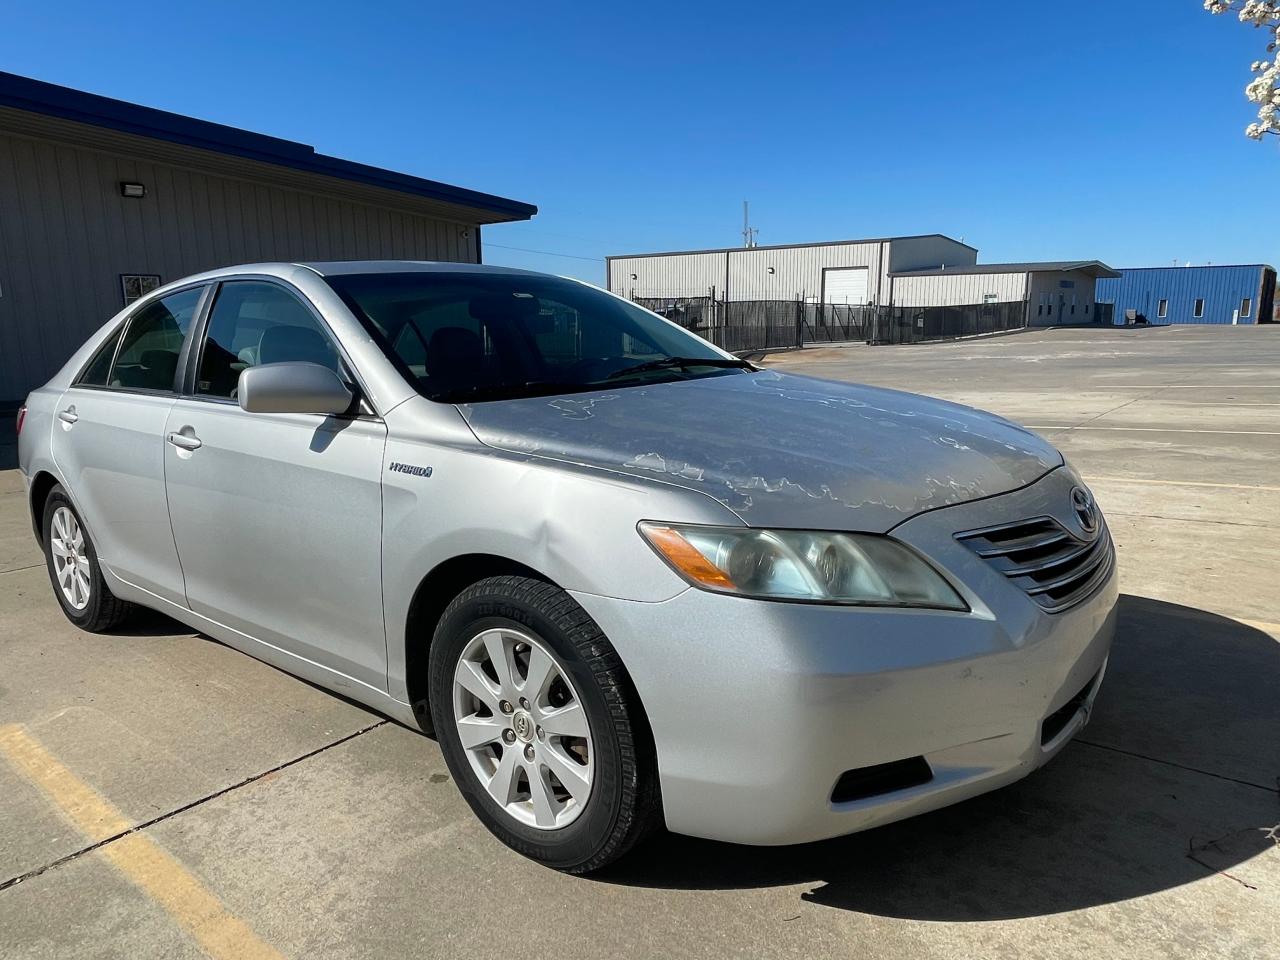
(102,200)
(1096,268)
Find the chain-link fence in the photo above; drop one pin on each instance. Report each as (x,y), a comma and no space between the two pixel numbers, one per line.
(895,324)
(739,326)
(837,322)
(743,326)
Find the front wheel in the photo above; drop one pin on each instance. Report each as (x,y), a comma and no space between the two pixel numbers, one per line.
(539,724)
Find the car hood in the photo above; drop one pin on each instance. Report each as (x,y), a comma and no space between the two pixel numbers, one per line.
(780,450)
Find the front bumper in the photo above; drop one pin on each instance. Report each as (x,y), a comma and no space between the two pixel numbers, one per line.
(758,708)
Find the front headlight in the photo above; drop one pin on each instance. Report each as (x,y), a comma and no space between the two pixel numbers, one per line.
(801,565)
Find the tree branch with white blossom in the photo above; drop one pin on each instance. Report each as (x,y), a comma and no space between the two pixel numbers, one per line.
(1264,89)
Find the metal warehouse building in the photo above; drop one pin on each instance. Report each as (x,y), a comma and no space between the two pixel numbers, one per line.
(1060,291)
(909,272)
(844,271)
(1208,294)
(102,200)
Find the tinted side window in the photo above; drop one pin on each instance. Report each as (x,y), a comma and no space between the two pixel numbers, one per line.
(254,323)
(95,374)
(148,357)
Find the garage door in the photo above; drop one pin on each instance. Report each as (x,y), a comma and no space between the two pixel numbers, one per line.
(845,285)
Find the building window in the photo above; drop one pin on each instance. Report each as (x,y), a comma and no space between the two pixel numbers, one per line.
(1073,304)
(1199,311)
(1086,309)
(1162,309)
(1049,309)
(134,286)
(1246,307)
(1039,309)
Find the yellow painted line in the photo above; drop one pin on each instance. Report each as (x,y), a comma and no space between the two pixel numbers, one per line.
(221,935)
(1251,433)
(1185,483)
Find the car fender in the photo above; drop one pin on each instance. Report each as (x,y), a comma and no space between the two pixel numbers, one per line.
(446,495)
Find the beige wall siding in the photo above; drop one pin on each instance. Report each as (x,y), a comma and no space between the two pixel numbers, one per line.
(1046,289)
(673,275)
(744,273)
(940,290)
(923,253)
(66,235)
(797,270)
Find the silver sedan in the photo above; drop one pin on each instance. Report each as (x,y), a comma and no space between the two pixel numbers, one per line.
(627,579)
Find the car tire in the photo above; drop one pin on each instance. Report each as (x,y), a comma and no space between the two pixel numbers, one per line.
(528,619)
(74,571)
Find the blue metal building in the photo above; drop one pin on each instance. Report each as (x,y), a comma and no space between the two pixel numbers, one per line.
(1209,294)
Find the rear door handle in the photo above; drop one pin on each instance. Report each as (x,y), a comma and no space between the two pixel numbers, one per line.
(68,415)
(184,442)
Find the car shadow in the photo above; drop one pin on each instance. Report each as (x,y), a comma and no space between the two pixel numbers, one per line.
(145,622)
(1174,779)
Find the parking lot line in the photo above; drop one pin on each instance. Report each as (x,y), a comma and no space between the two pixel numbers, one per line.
(219,933)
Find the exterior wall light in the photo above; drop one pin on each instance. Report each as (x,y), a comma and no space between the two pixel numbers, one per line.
(135,190)
(772,271)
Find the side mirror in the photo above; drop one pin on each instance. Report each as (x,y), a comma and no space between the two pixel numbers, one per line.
(294,387)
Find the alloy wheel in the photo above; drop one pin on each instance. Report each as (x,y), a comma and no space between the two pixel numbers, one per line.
(523,728)
(70,558)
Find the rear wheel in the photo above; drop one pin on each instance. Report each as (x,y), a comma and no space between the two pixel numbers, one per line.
(539,725)
(74,571)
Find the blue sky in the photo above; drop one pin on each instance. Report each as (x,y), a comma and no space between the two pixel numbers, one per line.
(1032,130)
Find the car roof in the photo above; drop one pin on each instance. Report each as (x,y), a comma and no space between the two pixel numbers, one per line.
(335,268)
(330,268)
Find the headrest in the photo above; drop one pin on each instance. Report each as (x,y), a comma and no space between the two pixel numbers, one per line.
(502,307)
(164,363)
(454,343)
(282,343)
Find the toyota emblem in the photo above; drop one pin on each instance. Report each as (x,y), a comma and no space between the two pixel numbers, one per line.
(1085,509)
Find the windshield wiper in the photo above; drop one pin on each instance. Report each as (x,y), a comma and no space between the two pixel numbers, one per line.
(669,363)
(511,391)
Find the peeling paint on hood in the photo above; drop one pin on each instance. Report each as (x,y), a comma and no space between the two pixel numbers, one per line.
(780,450)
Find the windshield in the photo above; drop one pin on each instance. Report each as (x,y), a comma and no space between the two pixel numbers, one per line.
(469,337)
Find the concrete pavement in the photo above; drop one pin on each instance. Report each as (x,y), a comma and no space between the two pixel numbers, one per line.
(308,827)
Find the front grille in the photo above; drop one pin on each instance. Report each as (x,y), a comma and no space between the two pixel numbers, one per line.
(1056,568)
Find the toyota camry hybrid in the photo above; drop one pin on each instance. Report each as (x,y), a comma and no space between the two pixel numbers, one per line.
(627,579)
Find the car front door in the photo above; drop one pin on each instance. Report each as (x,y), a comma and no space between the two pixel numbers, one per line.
(277,517)
(108,442)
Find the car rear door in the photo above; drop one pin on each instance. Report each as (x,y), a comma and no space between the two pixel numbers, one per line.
(108,441)
(277,517)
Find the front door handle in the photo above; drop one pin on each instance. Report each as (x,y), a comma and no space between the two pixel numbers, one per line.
(184,442)
(69,415)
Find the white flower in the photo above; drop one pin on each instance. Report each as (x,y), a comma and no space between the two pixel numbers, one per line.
(1264,89)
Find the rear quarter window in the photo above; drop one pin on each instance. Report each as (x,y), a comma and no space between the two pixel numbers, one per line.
(96,372)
